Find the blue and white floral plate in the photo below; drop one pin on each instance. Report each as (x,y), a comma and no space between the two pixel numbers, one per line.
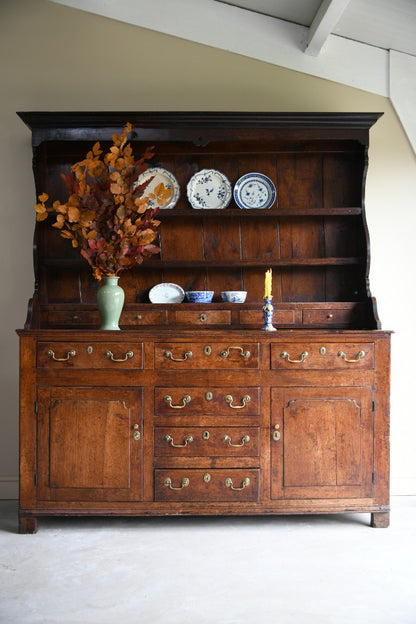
(254,190)
(209,188)
(159,174)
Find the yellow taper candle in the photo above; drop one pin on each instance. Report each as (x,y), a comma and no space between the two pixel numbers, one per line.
(268,283)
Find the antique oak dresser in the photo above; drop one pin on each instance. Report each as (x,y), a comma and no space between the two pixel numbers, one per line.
(194,409)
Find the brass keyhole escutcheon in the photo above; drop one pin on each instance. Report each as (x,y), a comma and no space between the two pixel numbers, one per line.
(276,433)
(209,396)
(206,435)
(207,477)
(322,350)
(207,349)
(202,317)
(89,349)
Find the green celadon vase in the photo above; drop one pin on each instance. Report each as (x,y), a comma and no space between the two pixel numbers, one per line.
(110,300)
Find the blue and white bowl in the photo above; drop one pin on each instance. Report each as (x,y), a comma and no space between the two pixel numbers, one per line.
(234,296)
(199,296)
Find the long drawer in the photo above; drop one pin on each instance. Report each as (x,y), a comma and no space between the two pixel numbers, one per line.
(322,355)
(206,442)
(206,355)
(111,355)
(225,401)
(230,485)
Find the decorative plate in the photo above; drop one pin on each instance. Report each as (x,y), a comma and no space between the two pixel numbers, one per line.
(160,175)
(166,293)
(254,190)
(209,188)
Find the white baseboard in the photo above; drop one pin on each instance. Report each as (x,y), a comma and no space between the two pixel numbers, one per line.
(401,486)
(9,488)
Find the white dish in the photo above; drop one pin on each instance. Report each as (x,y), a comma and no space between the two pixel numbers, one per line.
(166,293)
(159,175)
(209,188)
(254,190)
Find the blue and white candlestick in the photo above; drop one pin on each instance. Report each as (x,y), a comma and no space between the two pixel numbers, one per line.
(268,314)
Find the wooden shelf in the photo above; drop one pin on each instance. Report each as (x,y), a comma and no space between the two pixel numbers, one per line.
(233,212)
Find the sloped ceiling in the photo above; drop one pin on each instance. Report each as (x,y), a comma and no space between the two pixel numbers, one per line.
(366,44)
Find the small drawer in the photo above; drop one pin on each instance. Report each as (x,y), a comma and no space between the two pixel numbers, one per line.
(256,317)
(191,401)
(69,318)
(233,485)
(144,317)
(201,317)
(335,317)
(204,355)
(114,355)
(332,355)
(206,442)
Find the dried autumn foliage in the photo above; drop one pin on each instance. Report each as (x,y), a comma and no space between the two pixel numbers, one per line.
(106,214)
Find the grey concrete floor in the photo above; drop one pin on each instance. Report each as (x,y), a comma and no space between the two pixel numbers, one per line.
(280,570)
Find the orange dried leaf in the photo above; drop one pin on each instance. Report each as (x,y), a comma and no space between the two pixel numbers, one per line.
(44,197)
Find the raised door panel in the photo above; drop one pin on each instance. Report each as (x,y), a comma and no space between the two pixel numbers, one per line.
(90,446)
(322,443)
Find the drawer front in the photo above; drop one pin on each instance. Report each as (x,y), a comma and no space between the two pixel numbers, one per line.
(256,317)
(201,317)
(178,355)
(191,401)
(144,317)
(321,355)
(70,318)
(112,355)
(339,317)
(206,442)
(232,485)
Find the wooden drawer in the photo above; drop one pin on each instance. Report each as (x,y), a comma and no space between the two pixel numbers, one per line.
(256,317)
(201,317)
(112,355)
(322,355)
(338,317)
(191,401)
(204,355)
(70,318)
(206,442)
(232,485)
(144,317)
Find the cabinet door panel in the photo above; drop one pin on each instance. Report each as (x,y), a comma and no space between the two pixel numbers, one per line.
(325,444)
(87,446)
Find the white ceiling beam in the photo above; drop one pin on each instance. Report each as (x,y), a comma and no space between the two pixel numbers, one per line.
(324,22)
(271,40)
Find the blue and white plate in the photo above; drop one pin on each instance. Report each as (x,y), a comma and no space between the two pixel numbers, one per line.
(254,190)
(159,174)
(209,188)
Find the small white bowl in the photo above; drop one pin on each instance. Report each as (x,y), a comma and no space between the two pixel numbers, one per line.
(199,296)
(234,296)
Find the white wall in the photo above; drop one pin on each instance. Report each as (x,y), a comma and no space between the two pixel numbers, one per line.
(56,58)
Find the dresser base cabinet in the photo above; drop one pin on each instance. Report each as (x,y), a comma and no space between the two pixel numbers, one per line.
(255,432)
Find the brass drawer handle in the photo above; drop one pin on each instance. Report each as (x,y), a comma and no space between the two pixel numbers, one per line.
(285,355)
(185,400)
(110,355)
(187,438)
(229,483)
(229,399)
(168,483)
(359,357)
(243,352)
(169,355)
(227,439)
(51,354)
